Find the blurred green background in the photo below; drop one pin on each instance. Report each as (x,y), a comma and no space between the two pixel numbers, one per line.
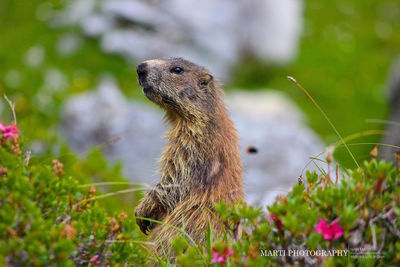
(346,50)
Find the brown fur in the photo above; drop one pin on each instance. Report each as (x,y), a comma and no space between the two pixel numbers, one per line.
(201,164)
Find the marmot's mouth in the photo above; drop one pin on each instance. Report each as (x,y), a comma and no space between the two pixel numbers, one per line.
(147,90)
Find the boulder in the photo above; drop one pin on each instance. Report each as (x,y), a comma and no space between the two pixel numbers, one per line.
(392,131)
(212,33)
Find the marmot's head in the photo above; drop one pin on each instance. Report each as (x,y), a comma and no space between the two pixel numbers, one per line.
(179,86)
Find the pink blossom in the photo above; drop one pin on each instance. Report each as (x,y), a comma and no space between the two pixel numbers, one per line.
(95,260)
(329,232)
(9,131)
(221,257)
(276,220)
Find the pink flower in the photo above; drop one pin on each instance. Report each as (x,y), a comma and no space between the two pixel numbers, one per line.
(9,131)
(95,260)
(221,257)
(276,220)
(329,232)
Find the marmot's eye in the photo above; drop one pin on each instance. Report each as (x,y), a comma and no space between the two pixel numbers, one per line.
(177,70)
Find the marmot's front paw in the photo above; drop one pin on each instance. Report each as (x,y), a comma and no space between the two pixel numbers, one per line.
(144,225)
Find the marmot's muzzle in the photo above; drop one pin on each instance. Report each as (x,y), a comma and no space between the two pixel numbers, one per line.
(142,73)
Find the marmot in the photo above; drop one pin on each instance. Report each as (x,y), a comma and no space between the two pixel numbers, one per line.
(201,164)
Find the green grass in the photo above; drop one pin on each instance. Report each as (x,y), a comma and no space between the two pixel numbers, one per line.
(21,30)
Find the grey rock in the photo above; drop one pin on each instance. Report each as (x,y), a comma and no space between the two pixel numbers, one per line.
(212,33)
(271,123)
(392,131)
(100,117)
(268,121)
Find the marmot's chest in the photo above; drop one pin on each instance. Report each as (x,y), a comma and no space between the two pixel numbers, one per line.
(189,165)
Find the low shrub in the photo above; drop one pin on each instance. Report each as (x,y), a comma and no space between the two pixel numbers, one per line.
(51,213)
(49,217)
(321,222)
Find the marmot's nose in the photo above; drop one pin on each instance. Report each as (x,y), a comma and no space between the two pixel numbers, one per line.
(142,71)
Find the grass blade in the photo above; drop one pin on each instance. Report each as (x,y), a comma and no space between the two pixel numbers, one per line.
(325,116)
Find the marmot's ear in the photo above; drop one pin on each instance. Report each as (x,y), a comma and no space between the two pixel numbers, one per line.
(205,79)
